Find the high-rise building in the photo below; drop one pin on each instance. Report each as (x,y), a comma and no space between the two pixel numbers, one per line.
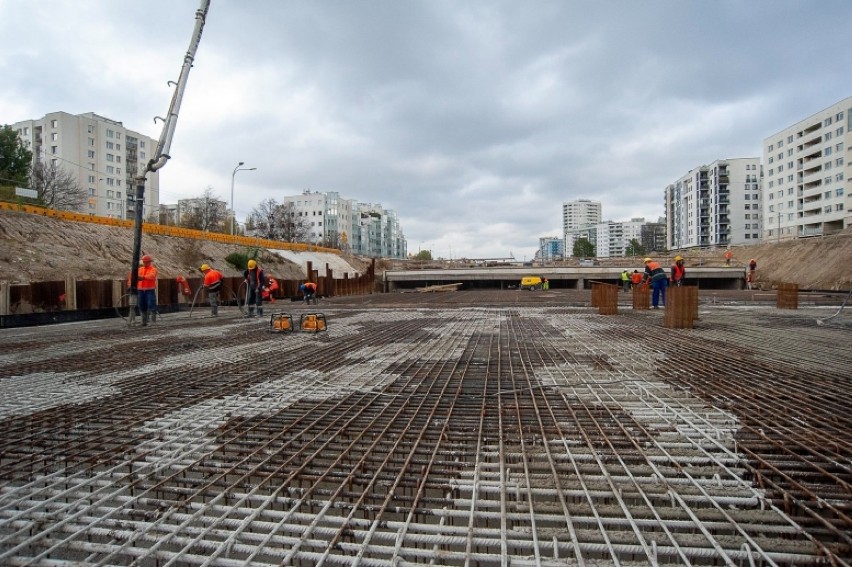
(715,205)
(101,154)
(808,187)
(576,214)
(550,248)
(362,228)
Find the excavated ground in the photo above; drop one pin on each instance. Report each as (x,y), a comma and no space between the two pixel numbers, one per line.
(468,428)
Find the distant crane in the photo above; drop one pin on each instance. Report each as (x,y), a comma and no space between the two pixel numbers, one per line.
(161,155)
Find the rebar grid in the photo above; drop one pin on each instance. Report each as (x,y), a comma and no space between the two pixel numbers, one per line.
(460,435)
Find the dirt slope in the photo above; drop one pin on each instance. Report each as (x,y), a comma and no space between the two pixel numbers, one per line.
(35,248)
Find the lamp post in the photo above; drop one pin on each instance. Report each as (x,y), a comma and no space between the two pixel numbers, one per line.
(236,169)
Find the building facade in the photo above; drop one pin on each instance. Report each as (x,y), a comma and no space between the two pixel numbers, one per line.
(715,205)
(101,154)
(361,228)
(550,248)
(808,186)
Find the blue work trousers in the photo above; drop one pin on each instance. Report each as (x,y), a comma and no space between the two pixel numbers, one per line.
(658,288)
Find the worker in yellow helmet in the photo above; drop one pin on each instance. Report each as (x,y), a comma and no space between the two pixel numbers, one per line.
(655,274)
(213,283)
(678,271)
(255,280)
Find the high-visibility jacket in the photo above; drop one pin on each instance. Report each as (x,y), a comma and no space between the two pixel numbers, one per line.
(636,277)
(213,280)
(654,271)
(147,277)
(310,287)
(625,276)
(678,272)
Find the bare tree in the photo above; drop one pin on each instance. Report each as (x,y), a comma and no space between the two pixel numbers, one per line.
(57,188)
(205,212)
(278,222)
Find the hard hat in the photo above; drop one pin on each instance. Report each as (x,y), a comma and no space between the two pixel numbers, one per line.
(204,267)
(251,264)
(147,259)
(647,260)
(678,258)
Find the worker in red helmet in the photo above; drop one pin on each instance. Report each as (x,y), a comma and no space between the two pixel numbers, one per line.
(146,289)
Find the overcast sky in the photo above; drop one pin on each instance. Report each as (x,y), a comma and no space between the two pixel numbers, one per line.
(473,120)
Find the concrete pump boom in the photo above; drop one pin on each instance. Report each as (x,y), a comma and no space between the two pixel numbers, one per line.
(161,155)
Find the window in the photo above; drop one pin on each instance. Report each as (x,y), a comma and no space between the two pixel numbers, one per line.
(110,181)
(790,140)
(91,179)
(826,209)
(90,129)
(780,143)
(141,143)
(110,133)
(839,131)
(827,180)
(771,208)
(54,149)
(771,185)
(748,226)
(91,142)
(839,115)
(827,136)
(770,148)
(110,194)
(54,123)
(827,151)
(118,147)
(142,155)
(118,194)
(748,217)
(838,192)
(118,159)
(747,235)
(771,196)
(789,204)
(110,157)
(110,169)
(91,191)
(838,207)
(118,135)
(839,147)
(110,146)
(54,136)
(839,177)
(828,121)
(118,171)
(790,178)
(827,195)
(771,160)
(790,191)
(754,235)
(780,167)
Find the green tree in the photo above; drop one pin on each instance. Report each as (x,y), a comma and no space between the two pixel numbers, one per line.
(15,158)
(583,248)
(423,255)
(634,249)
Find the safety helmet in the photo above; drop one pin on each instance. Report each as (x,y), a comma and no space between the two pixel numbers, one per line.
(146,259)
(252,264)
(204,267)
(678,258)
(647,260)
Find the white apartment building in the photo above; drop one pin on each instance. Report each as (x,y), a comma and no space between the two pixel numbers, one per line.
(577,217)
(362,228)
(576,214)
(715,205)
(808,186)
(103,155)
(613,238)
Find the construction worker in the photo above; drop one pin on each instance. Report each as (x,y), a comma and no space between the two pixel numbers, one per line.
(213,283)
(678,271)
(146,289)
(752,272)
(255,280)
(655,274)
(728,256)
(309,289)
(625,280)
(636,278)
(270,289)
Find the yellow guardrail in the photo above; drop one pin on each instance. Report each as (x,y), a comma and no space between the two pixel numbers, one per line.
(163,230)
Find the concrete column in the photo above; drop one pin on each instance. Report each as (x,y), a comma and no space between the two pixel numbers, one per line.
(580,283)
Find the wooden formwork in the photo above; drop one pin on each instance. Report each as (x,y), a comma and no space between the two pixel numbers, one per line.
(787,296)
(641,297)
(605,298)
(681,307)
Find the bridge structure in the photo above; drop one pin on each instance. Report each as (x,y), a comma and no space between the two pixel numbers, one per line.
(574,277)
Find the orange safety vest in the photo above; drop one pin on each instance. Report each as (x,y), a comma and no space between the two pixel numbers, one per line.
(678,272)
(147,278)
(213,280)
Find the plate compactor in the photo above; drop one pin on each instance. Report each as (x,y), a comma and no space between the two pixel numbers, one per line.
(308,323)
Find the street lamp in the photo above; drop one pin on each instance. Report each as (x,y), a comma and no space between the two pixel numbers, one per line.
(236,169)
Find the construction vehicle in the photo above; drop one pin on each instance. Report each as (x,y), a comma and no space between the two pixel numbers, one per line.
(531,282)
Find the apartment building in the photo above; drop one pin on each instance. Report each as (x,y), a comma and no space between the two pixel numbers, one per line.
(103,155)
(362,228)
(577,218)
(550,248)
(715,205)
(808,190)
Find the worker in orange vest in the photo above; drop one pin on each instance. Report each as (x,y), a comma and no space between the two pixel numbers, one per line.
(213,283)
(728,256)
(655,274)
(635,278)
(678,271)
(146,289)
(271,287)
